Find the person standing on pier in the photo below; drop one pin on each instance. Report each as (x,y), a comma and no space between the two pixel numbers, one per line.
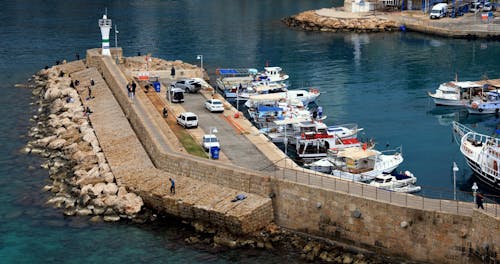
(92,82)
(172,185)
(90,93)
(133,89)
(172,72)
(479,200)
(129,90)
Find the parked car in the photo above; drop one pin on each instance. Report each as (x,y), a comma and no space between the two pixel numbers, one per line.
(188,85)
(475,7)
(187,120)
(175,95)
(214,105)
(209,141)
(488,7)
(439,10)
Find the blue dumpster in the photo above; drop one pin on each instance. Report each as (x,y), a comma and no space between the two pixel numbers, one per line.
(214,152)
(157,86)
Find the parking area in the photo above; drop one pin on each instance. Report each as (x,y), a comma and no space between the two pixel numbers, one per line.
(238,149)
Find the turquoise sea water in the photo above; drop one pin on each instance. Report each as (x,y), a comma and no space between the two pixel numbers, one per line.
(377,80)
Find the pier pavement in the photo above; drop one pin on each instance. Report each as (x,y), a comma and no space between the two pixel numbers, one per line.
(133,167)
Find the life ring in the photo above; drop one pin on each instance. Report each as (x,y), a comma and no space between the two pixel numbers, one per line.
(480,110)
(474,105)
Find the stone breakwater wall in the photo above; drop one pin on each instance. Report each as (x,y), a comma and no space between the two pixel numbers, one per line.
(82,182)
(408,232)
(311,21)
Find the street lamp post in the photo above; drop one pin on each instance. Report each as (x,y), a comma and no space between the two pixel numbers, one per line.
(474,190)
(200,57)
(455,169)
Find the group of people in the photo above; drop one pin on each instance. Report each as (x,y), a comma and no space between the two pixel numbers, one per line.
(131,86)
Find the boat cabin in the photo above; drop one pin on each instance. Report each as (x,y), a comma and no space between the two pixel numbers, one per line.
(356,159)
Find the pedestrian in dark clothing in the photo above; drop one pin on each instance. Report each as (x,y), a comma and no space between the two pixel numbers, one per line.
(479,201)
(172,72)
(92,82)
(129,90)
(90,93)
(165,112)
(133,89)
(172,185)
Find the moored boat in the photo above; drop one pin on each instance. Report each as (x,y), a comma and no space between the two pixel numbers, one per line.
(456,93)
(481,152)
(398,182)
(489,104)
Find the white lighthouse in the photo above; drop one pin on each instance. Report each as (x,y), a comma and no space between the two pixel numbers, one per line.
(105,25)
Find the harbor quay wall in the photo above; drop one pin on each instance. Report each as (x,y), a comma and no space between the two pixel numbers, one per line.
(386,228)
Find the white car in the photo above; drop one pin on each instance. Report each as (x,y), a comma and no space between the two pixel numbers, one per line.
(209,141)
(214,105)
(187,120)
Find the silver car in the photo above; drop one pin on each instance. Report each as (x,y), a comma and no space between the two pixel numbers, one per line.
(188,85)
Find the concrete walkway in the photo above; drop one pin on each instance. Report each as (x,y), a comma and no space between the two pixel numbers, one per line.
(134,169)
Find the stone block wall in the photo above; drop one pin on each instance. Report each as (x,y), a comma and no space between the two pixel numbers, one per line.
(389,229)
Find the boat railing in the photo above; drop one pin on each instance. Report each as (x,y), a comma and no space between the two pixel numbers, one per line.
(429,198)
(395,151)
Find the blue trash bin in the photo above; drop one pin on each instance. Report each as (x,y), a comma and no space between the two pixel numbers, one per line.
(214,152)
(157,86)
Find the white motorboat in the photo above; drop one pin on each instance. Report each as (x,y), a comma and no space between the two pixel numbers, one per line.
(482,153)
(359,163)
(304,96)
(396,182)
(272,74)
(456,93)
(490,104)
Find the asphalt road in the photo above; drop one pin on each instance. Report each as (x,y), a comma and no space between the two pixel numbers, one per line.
(235,146)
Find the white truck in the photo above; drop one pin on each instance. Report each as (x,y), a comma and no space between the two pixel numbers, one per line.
(439,10)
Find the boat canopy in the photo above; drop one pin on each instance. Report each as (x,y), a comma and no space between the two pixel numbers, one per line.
(235,72)
(290,121)
(357,153)
(265,108)
(268,97)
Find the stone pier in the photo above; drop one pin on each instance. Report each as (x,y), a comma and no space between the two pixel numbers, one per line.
(133,168)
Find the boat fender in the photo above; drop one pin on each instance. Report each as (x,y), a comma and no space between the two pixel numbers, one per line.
(474,105)
(480,110)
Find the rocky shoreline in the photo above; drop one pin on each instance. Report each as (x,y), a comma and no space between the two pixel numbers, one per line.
(82,182)
(312,21)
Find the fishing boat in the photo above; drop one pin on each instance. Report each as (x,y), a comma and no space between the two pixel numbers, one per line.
(481,152)
(456,93)
(359,163)
(229,80)
(272,74)
(397,182)
(313,148)
(488,104)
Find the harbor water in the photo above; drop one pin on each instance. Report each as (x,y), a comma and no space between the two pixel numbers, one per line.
(376,80)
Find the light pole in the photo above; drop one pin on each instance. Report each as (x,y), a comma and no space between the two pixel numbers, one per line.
(200,57)
(474,190)
(455,169)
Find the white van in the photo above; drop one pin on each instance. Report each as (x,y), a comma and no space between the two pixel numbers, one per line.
(439,10)
(187,120)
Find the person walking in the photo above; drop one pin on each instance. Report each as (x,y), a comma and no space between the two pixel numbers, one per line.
(133,89)
(90,93)
(129,90)
(172,185)
(479,200)
(92,82)
(172,72)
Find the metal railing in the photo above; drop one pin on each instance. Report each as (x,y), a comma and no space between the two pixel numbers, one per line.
(434,202)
